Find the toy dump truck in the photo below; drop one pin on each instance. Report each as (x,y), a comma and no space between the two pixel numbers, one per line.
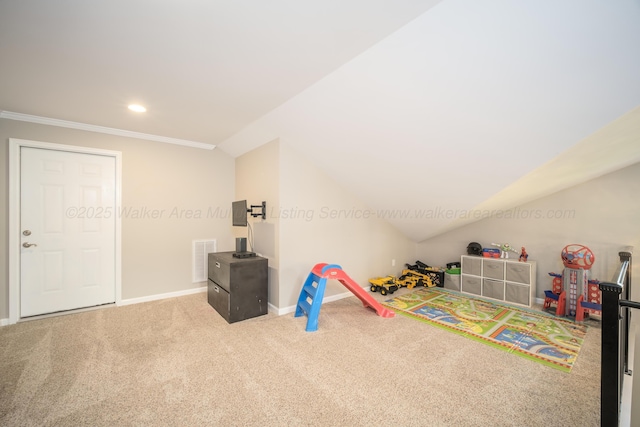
(385,285)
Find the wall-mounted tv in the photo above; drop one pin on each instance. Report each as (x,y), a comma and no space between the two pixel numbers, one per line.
(239,213)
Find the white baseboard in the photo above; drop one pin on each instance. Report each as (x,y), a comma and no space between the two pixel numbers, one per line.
(292,308)
(157,297)
(272,308)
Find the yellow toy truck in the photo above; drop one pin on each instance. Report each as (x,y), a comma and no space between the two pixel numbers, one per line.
(386,285)
(412,278)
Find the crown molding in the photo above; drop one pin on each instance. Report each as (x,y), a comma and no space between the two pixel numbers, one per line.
(101,129)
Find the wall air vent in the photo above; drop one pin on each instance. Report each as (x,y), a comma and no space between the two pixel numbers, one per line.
(201,250)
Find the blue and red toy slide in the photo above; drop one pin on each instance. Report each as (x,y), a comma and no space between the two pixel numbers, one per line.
(312,293)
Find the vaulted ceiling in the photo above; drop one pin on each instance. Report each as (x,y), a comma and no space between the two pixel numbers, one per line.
(429,109)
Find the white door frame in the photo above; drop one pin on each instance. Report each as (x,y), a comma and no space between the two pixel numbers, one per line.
(14,215)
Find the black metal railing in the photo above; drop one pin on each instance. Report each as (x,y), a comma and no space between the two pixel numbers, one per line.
(615,340)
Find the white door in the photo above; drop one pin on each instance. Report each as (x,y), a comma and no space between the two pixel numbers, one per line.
(67,220)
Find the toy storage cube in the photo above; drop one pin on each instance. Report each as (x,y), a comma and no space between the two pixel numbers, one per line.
(500,279)
(493,289)
(493,269)
(518,294)
(471,284)
(471,265)
(452,281)
(518,272)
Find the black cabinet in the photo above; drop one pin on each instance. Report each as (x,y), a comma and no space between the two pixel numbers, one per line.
(237,287)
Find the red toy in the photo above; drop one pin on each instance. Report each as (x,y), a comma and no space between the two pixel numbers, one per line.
(573,292)
(524,256)
(577,257)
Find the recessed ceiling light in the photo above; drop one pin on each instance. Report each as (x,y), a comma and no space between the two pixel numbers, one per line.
(137,108)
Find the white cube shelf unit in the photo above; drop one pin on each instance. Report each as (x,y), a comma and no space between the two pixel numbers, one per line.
(499,279)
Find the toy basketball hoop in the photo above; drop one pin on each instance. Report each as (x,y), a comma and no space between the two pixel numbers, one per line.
(578,257)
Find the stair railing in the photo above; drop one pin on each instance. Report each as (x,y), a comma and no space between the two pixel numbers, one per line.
(615,340)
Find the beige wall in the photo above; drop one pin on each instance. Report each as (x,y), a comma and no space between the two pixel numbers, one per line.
(299,230)
(321,221)
(603,214)
(311,218)
(177,181)
(257,180)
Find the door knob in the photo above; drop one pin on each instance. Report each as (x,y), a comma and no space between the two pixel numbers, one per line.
(28,245)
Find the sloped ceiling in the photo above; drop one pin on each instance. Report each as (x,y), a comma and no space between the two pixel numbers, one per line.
(447,117)
(425,110)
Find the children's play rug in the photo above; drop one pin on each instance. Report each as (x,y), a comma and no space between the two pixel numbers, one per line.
(547,339)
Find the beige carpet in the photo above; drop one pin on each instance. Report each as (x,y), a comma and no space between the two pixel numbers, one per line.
(176,362)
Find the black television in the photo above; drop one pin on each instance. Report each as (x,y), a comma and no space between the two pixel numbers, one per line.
(239,213)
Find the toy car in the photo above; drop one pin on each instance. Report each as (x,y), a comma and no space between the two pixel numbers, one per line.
(491,253)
